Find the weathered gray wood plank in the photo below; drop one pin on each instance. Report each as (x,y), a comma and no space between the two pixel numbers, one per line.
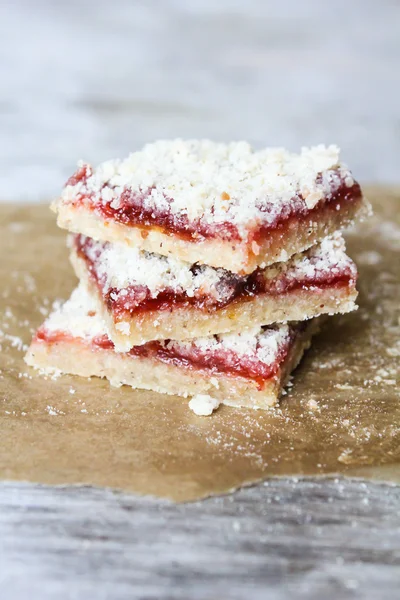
(287,538)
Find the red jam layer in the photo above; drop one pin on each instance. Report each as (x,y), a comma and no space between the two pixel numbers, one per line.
(133,212)
(167,301)
(214,362)
(137,300)
(299,212)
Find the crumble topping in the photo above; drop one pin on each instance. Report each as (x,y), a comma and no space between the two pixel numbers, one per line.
(326,259)
(263,344)
(214,182)
(76,317)
(118,267)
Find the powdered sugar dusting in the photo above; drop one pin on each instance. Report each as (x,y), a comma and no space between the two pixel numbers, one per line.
(14,340)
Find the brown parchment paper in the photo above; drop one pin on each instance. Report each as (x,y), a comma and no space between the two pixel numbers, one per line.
(342,413)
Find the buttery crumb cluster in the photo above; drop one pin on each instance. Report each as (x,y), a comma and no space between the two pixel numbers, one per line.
(203,268)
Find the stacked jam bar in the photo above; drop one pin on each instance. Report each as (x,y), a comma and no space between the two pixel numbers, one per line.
(203,268)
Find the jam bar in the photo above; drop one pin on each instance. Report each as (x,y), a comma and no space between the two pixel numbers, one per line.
(223,205)
(243,369)
(143,296)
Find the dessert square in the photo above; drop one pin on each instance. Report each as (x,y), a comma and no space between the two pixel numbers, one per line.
(223,205)
(143,296)
(246,369)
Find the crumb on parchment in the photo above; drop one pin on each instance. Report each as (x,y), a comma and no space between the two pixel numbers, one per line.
(203,405)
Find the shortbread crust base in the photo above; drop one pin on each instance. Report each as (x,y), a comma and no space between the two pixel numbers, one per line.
(77,358)
(238,257)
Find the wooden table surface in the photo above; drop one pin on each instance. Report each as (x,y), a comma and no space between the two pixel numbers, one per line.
(308,539)
(278,72)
